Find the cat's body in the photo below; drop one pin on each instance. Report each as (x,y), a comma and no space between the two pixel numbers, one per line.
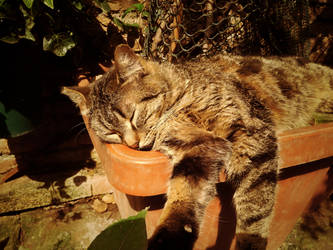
(224,112)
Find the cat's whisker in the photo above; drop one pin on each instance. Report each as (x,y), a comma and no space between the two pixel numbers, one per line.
(79,134)
(76,126)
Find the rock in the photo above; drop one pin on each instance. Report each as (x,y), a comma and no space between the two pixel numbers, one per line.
(9,232)
(99,206)
(109,199)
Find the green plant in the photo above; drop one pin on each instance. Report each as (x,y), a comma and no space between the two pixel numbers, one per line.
(82,32)
(124,234)
(53,24)
(137,8)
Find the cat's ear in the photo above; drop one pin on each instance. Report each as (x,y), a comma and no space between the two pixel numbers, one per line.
(78,95)
(127,63)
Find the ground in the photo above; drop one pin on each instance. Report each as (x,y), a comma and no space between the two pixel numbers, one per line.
(73,224)
(55,217)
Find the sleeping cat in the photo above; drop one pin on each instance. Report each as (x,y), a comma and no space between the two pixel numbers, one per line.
(207,115)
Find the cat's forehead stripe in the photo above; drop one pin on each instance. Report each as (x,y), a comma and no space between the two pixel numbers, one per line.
(250,66)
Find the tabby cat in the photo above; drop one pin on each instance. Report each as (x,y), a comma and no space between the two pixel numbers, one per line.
(207,115)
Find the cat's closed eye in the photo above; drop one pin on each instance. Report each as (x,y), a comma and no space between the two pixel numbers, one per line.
(150,97)
(119,113)
(113,138)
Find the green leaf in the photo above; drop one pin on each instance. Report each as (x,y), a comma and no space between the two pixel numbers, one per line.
(49,3)
(28,35)
(127,11)
(125,26)
(118,22)
(131,26)
(1,2)
(103,5)
(145,14)
(28,3)
(29,19)
(78,5)
(125,234)
(11,39)
(137,6)
(29,24)
(59,44)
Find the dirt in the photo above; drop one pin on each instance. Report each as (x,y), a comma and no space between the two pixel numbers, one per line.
(314,230)
(70,226)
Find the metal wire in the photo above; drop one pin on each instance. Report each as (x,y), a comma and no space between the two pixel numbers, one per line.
(183,29)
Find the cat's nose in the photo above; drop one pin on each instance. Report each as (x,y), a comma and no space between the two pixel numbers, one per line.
(134,146)
(131,140)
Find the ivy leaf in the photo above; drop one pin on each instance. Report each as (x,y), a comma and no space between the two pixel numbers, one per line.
(28,35)
(11,39)
(29,19)
(29,24)
(125,234)
(1,2)
(49,3)
(28,3)
(103,5)
(59,44)
(78,5)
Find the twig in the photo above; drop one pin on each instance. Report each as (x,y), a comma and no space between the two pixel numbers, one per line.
(175,25)
(157,38)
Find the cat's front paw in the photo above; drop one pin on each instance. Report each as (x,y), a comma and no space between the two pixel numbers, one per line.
(171,239)
(250,242)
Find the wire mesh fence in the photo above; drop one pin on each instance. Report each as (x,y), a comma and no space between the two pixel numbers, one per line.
(184,29)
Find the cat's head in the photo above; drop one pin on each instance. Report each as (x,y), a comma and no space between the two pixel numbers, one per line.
(124,105)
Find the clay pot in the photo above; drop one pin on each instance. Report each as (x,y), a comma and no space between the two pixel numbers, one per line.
(140,180)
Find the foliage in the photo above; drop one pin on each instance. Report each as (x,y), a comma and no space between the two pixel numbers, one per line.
(137,8)
(56,25)
(51,23)
(124,234)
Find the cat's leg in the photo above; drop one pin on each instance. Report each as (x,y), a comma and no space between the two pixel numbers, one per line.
(254,173)
(198,158)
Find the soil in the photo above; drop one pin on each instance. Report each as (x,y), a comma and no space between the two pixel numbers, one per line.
(71,225)
(314,230)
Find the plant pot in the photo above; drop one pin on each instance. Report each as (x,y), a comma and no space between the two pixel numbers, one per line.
(140,180)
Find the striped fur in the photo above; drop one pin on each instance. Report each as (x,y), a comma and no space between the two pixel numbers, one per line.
(206,115)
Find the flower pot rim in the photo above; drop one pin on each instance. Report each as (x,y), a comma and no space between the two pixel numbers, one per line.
(136,155)
(155,156)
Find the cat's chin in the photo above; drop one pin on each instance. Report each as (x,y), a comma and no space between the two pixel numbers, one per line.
(146,148)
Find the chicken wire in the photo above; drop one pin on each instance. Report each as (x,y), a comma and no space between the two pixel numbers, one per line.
(183,29)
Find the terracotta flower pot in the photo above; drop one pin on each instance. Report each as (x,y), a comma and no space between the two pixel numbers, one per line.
(140,180)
